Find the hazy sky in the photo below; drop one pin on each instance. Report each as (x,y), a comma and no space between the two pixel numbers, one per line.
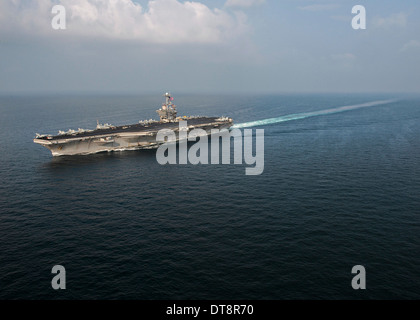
(250,46)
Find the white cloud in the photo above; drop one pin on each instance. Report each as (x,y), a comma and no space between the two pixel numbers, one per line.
(394,20)
(413,44)
(161,21)
(243,3)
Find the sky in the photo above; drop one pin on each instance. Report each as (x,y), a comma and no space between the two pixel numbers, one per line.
(209,46)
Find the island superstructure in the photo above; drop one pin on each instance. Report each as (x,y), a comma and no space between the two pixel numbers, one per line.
(141,135)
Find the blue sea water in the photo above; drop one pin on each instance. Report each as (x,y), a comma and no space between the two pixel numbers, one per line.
(338,190)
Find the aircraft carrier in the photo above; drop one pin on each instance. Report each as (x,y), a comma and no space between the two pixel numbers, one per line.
(141,135)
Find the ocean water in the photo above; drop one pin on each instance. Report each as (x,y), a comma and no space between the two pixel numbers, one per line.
(339,188)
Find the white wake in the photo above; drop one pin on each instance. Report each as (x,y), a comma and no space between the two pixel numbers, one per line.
(304,115)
